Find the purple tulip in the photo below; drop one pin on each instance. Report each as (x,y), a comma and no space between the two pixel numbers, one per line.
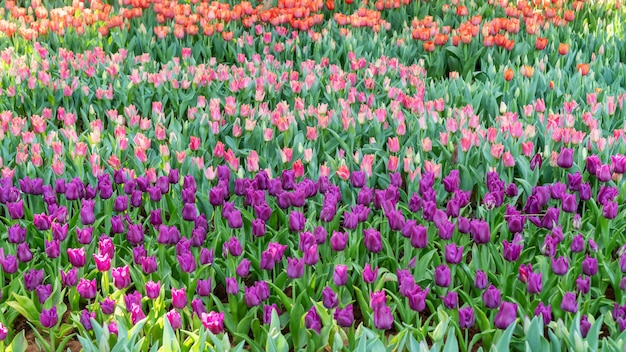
(592,163)
(24,255)
(234,246)
(189,212)
(87,289)
(383,319)
(569,203)
(120,204)
(569,302)
(480,281)
(148,264)
(511,251)
(417,298)
(295,268)
(153,289)
(338,241)
(235,221)
(583,284)
(545,312)
(49,317)
(609,210)
(451,300)
(214,322)
(85,235)
(329,298)
(16,209)
(179,298)
(187,262)
(453,253)
(566,158)
(419,237)
(467,319)
(203,287)
(313,321)
(53,248)
(603,173)
(232,287)
(340,276)
(311,255)
(296,221)
(87,216)
(41,221)
(480,232)
(534,284)
(32,279)
(506,315)
(267,312)
(590,266)
(442,276)
(585,326)
(345,316)
(136,313)
(491,297)
(560,266)
(243,269)
(173,317)
(368,274)
(43,292)
(198,307)
(373,241)
(77,256)
(252,296)
(103,262)
(70,278)
(121,277)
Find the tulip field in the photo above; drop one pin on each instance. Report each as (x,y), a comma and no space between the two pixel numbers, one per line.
(319,175)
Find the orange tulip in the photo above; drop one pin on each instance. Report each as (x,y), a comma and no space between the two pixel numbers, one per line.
(563,48)
(541,43)
(429,46)
(527,71)
(583,69)
(508,74)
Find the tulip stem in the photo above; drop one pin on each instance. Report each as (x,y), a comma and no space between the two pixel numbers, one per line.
(52,342)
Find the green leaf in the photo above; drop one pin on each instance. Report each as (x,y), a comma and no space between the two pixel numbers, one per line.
(505,339)
(19,343)
(452,344)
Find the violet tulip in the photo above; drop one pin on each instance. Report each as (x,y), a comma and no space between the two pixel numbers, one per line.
(70,278)
(491,297)
(173,317)
(590,266)
(368,274)
(121,277)
(442,276)
(153,289)
(566,158)
(344,316)
(467,319)
(87,216)
(32,279)
(214,322)
(329,298)
(295,268)
(179,298)
(480,232)
(383,319)
(506,315)
(453,253)
(569,302)
(417,298)
(338,241)
(340,276)
(76,256)
(373,241)
(451,300)
(545,312)
(87,289)
(232,287)
(49,317)
(560,265)
(583,284)
(534,284)
(313,321)
(480,281)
